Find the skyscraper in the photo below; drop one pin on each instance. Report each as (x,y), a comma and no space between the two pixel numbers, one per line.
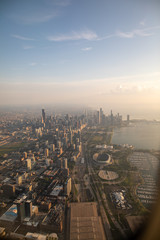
(43,116)
(28,208)
(46,152)
(20,210)
(29,165)
(100,115)
(111,117)
(65,163)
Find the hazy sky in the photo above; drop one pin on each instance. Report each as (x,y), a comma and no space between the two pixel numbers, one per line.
(95,52)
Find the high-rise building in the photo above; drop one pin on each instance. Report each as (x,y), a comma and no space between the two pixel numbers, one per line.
(100,115)
(59,163)
(53,147)
(59,144)
(46,152)
(60,151)
(28,208)
(19,180)
(25,155)
(20,210)
(67,186)
(65,163)
(8,190)
(97,117)
(111,117)
(43,116)
(29,166)
(48,162)
(128,119)
(71,140)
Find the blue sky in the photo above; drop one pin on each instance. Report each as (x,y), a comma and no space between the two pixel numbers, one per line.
(98,53)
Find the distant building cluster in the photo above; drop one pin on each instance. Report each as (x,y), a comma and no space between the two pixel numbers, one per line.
(36,179)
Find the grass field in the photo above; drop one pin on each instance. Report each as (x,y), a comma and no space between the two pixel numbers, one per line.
(97,138)
(11,147)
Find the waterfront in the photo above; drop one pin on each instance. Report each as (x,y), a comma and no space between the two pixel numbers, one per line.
(144,135)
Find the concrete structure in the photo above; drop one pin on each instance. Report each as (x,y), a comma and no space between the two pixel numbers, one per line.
(85,222)
(60,151)
(46,152)
(9,190)
(45,206)
(25,155)
(48,161)
(29,165)
(102,158)
(53,147)
(67,187)
(65,163)
(57,189)
(19,180)
(20,210)
(10,215)
(43,116)
(28,208)
(108,175)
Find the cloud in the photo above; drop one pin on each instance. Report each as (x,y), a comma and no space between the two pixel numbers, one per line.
(92,36)
(87,49)
(73,36)
(142,23)
(142,32)
(134,33)
(33,64)
(22,38)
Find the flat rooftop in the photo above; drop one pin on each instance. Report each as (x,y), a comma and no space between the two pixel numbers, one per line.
(56,190)
(10,214)
(85,222)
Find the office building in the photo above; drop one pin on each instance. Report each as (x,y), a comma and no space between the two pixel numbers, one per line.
(20,210)
(53,147)
(65,165)
(28,162)
(8,190)
(60,151)
(25,154)
(100,116)
(67,187)
(46,152)
(59,163)
(19,180)
(28,208)
(43,116)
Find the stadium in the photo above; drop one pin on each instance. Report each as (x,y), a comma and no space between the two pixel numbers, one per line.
(102,158)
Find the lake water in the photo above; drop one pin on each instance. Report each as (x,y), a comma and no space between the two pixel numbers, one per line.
(140,135)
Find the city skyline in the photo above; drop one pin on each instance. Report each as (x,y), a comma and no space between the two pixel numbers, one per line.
(87,53)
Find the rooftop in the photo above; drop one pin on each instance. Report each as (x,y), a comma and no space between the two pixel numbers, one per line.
(85,222)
